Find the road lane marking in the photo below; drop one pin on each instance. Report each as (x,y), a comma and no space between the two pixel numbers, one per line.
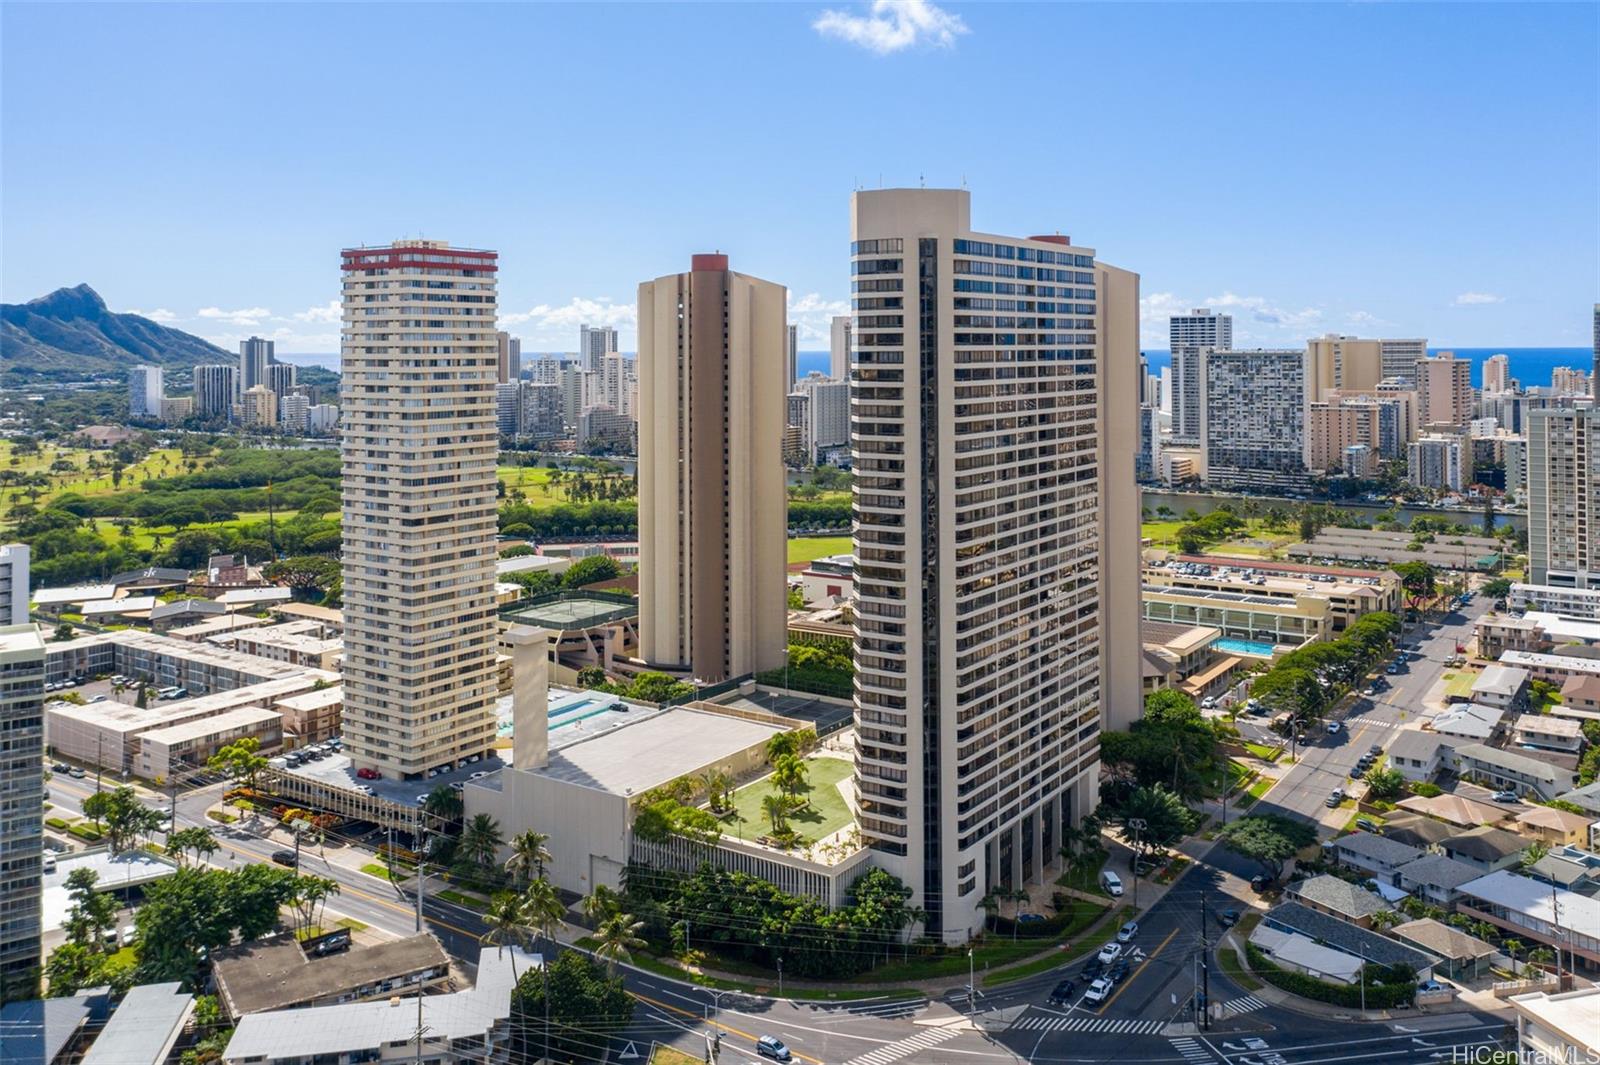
(715,1024)
(1135,974)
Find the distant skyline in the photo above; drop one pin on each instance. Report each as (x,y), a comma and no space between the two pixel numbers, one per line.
(1381,169)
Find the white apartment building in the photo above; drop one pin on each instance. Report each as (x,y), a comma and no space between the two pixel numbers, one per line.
(1252,418)
(1187,336)
(144,391)
(507,407)
(1563,470)
(14,584)
(830,413)
(1438,461)
(539,411)
(546,371)
(322,418)
(258,407)
(1565,381)
(215,390)
(281,377)
(577,388)
(595,342)
(993,438)
(292,410)
(1444,390)
(712,526)
(1399,358)
(839,348)
(614,376)
(419,514)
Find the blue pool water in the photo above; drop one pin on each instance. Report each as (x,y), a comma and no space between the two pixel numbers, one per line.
(1232,646)
(571,711)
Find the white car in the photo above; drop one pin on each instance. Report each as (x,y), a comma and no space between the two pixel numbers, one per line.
(1110,953)
(129,934)
(1127,932)
(1334,728)
(1098,991)
(1208,703)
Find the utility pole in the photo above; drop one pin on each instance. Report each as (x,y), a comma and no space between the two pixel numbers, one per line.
(99,756)
(1138,824)
(972,990)
(1205,957)
(421,1028)
(780,977)
(422,878)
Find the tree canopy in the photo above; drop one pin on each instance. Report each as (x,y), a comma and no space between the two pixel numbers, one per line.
(1268,838)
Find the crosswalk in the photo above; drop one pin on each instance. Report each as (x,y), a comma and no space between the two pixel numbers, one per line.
(904,1048)
(1192,1050)
(1087,1023)
(1247,1004)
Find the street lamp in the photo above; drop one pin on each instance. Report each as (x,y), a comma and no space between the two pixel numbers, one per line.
(1138,824)
(972,987)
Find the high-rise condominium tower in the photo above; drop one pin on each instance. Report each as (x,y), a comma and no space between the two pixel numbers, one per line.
(1564,497)
(1399,357)
(419,449)
(1252,418)
(1594,377)
(214,390)
(21,808)
(144,392)
(994,428)
(1496,375)
(839,348)
(712,593)
(595,342)
(1444,390)
(255,355)
(14,584)
(281,378)
(792,355)
(1187,336)
(509,357)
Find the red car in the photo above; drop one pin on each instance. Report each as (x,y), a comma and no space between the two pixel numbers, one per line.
(368,774)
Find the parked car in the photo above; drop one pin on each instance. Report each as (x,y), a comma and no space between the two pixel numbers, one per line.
(1029,918)
(60,767)
(1391,669)
(1111,883)
(1061,994)
(285,858)
(1098,991)
(366,773)
(129,934)
(1143,866)
(1334,799)
(1505,796)
(1118,971)
(1228,918)
(1092,969)
(1260,882)
(1366,824)
(1208,703)
(1334,728)
(1109,953)
(770,1046)
(77,772)
(1432,985)
(1127,932)
(1375,750)
(1369,691)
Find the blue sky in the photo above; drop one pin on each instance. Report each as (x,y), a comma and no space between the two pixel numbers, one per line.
(1376,169)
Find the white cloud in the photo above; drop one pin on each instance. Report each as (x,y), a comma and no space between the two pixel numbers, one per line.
(551,327)
(1264,313)
(247,317)
(287,340)
(1475,299)
(328,312)
(160,314)
(814,316)
(893,25)
(1257,321)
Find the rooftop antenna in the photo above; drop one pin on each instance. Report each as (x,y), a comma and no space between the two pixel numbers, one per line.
(922,182)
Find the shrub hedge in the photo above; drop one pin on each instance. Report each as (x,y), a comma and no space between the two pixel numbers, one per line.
(1379,995)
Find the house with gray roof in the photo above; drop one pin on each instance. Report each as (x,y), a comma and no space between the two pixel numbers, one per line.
(1337,898)
(1418,831)
(1372,854)
(1513,771)
(1340,935)
(1486,849)
(1420,755)
(1504,687)
(1434,878)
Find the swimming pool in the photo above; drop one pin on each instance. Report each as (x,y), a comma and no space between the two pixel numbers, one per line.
(570,711)
(1254,648)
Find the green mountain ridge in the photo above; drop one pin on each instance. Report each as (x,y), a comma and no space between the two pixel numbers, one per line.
(71,333)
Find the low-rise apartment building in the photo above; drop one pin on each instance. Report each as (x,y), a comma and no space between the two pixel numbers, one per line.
(1272,621)
(1351,593)
(1512,771)
(192,743)
(1537,913)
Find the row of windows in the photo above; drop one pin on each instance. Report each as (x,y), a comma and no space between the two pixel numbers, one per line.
(1032,255)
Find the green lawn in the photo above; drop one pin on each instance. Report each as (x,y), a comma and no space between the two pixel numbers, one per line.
(665,1055)
(537,488)
(1229,959)
(826,814)
(1460,684)
(1164,533)
(1258,789)
(807,548)
(1263,752)
(161,462)
(1084,875)
(144,536)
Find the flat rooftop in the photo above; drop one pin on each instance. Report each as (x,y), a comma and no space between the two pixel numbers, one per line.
(820,714)
(129,869)
(574,610)
(655,749)
(242,717)
(127,718)
(277,974)
(20,638)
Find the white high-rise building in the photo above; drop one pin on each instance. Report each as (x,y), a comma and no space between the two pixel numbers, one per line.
(546,370)
(1496,375)
(613,383)
(255,355)
(14,584)
(292,410)
(792,356)
(215,390)
(595,342)
(1398,357)
(990,643)
(830,414)
(1438,460)
(281,377)
(1563,470)
(419,516)
(144,391)
(1187,336)
(839,347)
(1252,418)
(575,393)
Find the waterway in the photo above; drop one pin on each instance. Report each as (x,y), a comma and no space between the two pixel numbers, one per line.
(1206,502)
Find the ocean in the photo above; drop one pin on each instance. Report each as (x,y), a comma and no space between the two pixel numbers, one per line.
(1531,366)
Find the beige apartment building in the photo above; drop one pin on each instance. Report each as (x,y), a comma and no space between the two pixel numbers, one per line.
(258,407)
(994,415)
(419,445)
(1339,423)
(712,497)
(1354,364)
(1444,390)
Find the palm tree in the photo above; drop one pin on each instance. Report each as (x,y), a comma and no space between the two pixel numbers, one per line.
(444,802)
(1484,931)
(1384,920)
(507,925)
(776,807)
(1511,946)
(618,937)
(990,904)
(1541,956)
(310,893)
(543,907)
(600,904)
(528,855)
(481,840)
(1533,853)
